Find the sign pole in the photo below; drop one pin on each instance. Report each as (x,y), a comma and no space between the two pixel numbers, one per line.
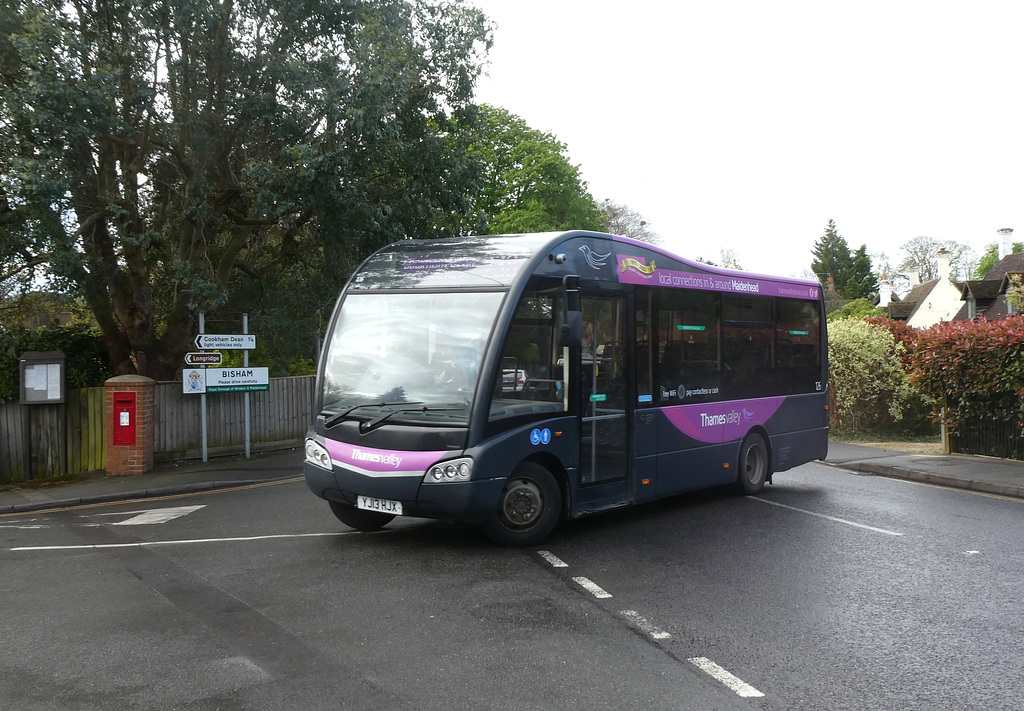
(202,398)
(245,362)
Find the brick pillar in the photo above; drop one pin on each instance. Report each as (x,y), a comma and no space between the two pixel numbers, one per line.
(129,424)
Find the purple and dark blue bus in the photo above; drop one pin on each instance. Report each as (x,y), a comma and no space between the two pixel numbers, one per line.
(513,381)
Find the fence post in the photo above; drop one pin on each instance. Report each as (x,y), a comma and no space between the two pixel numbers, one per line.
(946,444)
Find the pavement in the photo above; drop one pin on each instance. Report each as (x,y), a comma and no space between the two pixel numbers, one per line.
(983,474)
(166,479)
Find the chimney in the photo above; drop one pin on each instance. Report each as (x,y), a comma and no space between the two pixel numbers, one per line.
(1004,238)
(943,257)
(915,277)
(884,292)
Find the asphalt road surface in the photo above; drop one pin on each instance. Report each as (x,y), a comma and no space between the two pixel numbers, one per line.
(830,591)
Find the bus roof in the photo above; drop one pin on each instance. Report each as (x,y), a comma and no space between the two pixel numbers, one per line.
(499,261)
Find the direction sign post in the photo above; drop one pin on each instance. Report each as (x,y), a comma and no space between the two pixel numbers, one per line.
(202,379)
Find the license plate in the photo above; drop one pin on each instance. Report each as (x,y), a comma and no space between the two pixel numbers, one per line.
(382,505)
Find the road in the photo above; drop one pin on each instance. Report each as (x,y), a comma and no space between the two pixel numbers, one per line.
(830,591)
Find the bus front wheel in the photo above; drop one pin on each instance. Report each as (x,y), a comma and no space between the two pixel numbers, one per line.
(529,507)
(754,464)
(358,518)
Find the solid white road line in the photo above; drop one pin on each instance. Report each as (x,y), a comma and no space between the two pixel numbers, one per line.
(591,587)
(733,683)
(555,561)
(830,518)
(145,544)
(643,625)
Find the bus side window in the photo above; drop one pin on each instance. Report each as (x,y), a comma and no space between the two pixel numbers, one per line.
(688,345)
(644,363)
(529,379)
(797,345)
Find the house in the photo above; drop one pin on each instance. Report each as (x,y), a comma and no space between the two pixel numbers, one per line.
(927,303)
(987,297)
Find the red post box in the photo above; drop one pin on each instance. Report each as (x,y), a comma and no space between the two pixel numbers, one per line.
(124,419)
(130,426)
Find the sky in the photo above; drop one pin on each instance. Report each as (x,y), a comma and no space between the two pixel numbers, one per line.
(746,125)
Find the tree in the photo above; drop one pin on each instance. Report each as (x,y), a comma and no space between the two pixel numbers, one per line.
(528,183)
(162,158)
(858,308)
(621,220)
(849,272)
(990,257)
(921,256)
(726,259)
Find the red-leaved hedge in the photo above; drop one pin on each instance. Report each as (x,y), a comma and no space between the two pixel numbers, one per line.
(975,369)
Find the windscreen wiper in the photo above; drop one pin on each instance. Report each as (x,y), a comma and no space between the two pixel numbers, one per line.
(331,419)
(367,426)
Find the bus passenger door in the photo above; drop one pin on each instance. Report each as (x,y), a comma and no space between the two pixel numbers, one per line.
(606,406)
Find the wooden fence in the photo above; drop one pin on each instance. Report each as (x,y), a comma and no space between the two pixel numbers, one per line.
(278,417)
(74,431)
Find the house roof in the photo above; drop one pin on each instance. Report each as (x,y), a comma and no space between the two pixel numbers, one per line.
(980,289)
(990,293)
(903,310)
(1009,263)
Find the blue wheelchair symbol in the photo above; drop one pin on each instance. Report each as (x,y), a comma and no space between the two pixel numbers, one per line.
(535,437)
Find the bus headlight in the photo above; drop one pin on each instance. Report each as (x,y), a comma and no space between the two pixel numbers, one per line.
(316,454)
(452,470)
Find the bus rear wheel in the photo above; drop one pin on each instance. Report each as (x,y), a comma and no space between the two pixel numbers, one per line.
(358,518)
(754,464)
(529,508)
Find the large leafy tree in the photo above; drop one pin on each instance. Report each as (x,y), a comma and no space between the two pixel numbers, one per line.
(850,272)
(920,254)
(624,221)
(529,184)
(158,158)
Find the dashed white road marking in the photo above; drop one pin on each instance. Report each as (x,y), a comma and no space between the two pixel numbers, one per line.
(555,561)
(643,625)
(733,683)
(591,587)
(146,544)
(830,518)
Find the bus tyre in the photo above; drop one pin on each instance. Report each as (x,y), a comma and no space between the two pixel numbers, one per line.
(358,518)
(754,465)
(529,507)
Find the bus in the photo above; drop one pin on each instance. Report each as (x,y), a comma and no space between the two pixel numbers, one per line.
(513,381)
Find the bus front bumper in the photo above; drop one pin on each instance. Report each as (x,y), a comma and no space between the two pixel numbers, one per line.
(472,501)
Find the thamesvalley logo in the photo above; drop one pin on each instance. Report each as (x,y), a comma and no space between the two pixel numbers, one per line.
(388,459)
(726,418)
